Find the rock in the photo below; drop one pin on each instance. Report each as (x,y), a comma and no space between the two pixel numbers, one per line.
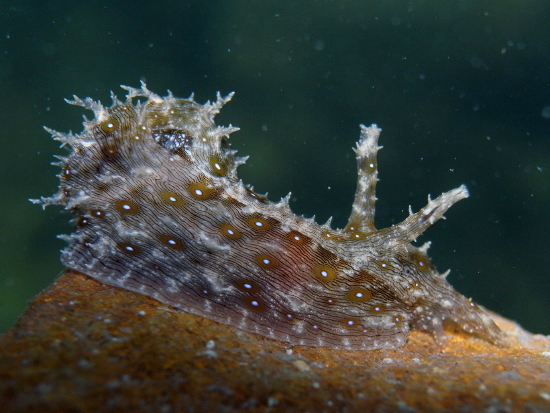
(83,346)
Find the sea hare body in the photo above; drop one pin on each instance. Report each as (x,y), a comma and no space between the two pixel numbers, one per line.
(160,211)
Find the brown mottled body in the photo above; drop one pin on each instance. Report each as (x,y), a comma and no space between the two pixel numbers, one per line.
(160,211)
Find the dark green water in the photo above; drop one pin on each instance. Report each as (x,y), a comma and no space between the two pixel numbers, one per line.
(458,87)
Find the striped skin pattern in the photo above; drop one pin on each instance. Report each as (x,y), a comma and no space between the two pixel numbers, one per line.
(159,210)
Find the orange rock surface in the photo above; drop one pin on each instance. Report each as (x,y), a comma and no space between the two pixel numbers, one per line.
(86,347)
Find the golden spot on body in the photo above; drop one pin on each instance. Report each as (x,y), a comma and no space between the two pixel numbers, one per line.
(385,265)
(110,151)
(126,207)
(254,303)
(66,193)
(200,191)
(422,263)
(296,237)
(109,125)
(129,248)
(351,322)
(371,166)
(327,235)
(267,261)
(247,285)
(230,232)
(82,221)
(324,273)
(172,242)
(66,172)
(218,167)
(359,295)
(416,285)
(357,235)
(397,319)
(259,223)
(171,198)
(376,309)
(98,213)
(471,304)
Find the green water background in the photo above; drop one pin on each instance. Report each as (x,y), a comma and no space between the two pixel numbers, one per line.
(458,87)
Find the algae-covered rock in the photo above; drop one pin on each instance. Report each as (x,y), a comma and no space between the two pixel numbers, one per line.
(83,346)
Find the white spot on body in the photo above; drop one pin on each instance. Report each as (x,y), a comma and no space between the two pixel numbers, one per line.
(247,210)
(144,172)
(446,304)
(165,219)
(212,242)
